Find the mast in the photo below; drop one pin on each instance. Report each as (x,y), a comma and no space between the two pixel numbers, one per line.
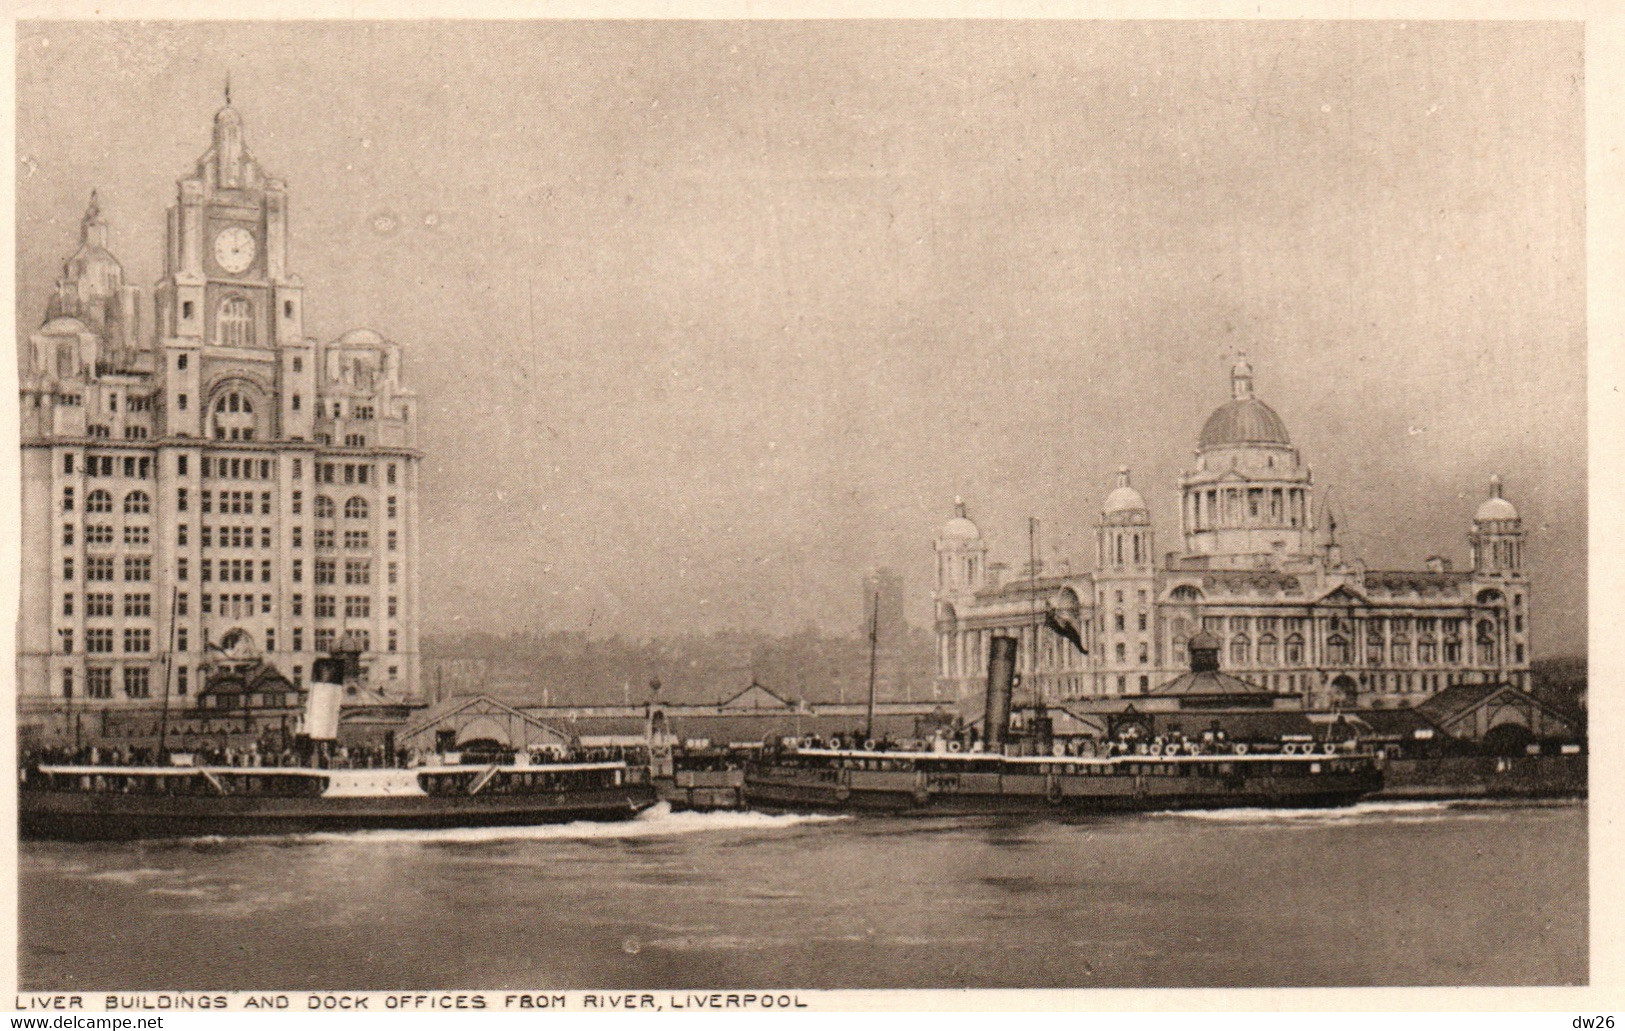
(1032,565)
(874,641)
(169,667)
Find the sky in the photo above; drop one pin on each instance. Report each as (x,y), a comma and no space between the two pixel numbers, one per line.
(708,319)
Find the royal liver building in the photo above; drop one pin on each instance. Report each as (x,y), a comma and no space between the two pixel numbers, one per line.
(207,489)
(1259,569)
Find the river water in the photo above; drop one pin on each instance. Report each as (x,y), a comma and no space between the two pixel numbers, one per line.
(1379,894)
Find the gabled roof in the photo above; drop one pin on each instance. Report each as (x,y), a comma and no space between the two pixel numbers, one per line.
(1342,594)
(478,705)
(1209,683)
(1454,702)
(756,696)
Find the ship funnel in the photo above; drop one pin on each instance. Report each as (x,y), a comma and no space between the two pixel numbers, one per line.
(1001,675)
(322,704)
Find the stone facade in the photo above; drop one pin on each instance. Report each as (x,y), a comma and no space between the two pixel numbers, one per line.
(215,481)
(1261,570)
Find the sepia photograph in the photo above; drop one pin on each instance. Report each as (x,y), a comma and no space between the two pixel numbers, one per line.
(539,506)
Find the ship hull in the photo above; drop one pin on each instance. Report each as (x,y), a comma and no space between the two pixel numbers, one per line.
(907,793)
(99,817)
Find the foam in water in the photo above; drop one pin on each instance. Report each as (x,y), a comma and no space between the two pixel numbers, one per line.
(656,822)
(1361,811)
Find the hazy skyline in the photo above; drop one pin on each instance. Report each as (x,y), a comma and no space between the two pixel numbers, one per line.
(709,318)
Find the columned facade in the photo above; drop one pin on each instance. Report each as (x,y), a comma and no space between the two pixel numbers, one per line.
(1260,572)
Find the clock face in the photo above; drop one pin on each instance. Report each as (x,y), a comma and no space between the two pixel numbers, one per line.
(234,249)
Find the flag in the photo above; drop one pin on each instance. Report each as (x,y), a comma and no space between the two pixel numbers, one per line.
(1065,629)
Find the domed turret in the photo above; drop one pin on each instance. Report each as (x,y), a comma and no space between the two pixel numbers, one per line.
(1123,497)
(1497,535)
(961,554)
(1495,508)
(960,528)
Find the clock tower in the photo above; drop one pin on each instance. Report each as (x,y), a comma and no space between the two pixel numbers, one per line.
(229,313)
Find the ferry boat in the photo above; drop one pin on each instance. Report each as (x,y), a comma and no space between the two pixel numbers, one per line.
(1005,774)
(98,802)
(800,778)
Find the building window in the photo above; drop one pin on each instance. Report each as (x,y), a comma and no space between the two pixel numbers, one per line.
(96,502)
(391,506)
(394,542)
(325,539)
(389,473)
(298,502)
(66,637)
(234,418)
(137,682)
(1122,652)
(326,570)
(355,508)
(99,681)
(324,507)
(236,323)
(1142,618)
(1267,650)
(67,604)
(99,640)
(180,535)
(393,606)
(180,680)
(180,402)
(326,606)
(67,683)
(1145,653)
(1117,621)
(324,640)
(180,569)
(67,500)
(298,645)
(180,499)
(298,571)
(135,433)
(100,569)
(137,503)
(392,640)
(357,606)
(393,575)
(1240,650)
(181,604)
(137,605)
(357,571)
(137,640)
(137,569)
(270,639)
(299,605)
(356,540)
(137,536)
(98,535)
(1337,650)
(298,536)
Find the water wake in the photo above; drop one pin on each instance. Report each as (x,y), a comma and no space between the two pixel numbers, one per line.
(657,822)
(1392,812)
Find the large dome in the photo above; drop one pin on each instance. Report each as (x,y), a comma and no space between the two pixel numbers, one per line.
(960,528)
(1244,421)
(1495,508)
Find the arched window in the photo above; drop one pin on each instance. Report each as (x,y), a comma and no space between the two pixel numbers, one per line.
(236,322)
(324,507)
(233,417)
(137,503)
(1294,650)
(1240,649)
(1337,649)
(1486,643)
(1185,594)
(355,508)
(99,501)
(1268,650)
(1179,651)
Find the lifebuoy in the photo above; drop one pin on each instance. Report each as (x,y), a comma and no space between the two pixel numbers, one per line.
(809,742)
(953,746)
(1330,748)
(1156,748)
(1241,748)
(868,744)
(1289,748)
(835,742)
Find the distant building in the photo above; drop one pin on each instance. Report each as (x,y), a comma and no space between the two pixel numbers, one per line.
(883,616)
(215,491)
(1259,571)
